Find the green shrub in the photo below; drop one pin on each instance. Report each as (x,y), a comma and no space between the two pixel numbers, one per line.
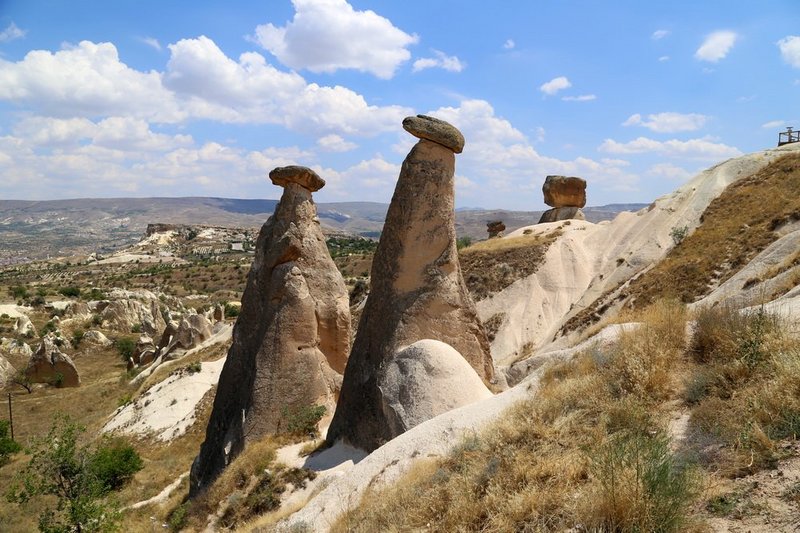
(94,294)
(114,463)
(70,292)
(136,328)
(232,311)
(463,242)
(77,337)
(177,518)
(640,485)
(194,368)
(302,421)
(49,327)
(8,445)
(125,347)
(18,292)
(679,233)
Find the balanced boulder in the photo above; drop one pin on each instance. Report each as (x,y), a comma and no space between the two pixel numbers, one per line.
(292,337)
(417,289)
(49,365)
(564,191)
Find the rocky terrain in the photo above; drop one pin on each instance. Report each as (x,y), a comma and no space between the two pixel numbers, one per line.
(57,228)
(492,386)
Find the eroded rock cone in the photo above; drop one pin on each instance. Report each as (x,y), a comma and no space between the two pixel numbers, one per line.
(417,290)
(562,213)
(292,337)
(49,365)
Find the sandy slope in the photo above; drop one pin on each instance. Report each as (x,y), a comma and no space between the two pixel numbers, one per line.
(590,259)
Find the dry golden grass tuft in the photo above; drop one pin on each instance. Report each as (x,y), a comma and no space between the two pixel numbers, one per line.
(745,391)
(588,451)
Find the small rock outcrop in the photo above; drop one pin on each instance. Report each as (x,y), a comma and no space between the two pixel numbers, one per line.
(7,371)
(494,228)
(23,326)
(184,335)
(292,337)
(425,380)
(125,314)
(49,365)
(15,347)
(97,338)
(566,195)
(417,290)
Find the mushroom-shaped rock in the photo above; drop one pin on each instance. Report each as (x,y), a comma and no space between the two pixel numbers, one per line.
(495,228)
(292,336)
(564,191)
(436,130)
(417,292)
(425,380)
(49,365)
(6,371)
(303,176)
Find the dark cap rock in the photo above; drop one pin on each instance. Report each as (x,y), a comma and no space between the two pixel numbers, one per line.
(303,176)
(433,129)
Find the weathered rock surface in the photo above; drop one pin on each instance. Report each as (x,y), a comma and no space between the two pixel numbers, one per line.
(97,338)
(425,380)
(15,347)
(495,228)
(291,339)
(144,351)
(49,365)
(562,213)
(182,335)
(417,292)
(563,191)
(7,371)
(122,315)
(23,326)
(433,129)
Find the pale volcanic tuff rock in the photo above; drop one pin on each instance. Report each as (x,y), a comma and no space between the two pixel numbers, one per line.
(417,290)
(292,337)
(49,365)
(6,371)
(562,213)
(564,191)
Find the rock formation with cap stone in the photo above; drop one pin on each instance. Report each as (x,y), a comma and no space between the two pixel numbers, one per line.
(417,290)
(49,365)
(566,195)
(292,337)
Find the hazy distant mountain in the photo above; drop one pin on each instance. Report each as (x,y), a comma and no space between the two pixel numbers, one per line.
(37,229)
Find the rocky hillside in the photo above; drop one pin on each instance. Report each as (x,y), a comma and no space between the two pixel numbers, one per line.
(587,323)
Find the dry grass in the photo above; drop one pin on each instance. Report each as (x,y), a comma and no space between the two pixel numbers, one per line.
(545,465)
(492,265)
(734,228)
(745,390)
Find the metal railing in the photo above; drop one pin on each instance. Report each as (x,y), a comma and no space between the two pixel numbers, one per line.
(788,136)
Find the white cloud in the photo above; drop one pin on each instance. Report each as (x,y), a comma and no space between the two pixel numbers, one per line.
(669,171)
(556,84)
(86,80)
(703,149)
(335,143)
(328,35)
(790,49)
(775,124)
(663,58)
(152,42)
(580,98)
(200,82)
(659,34)
(716,46)
(668,122)
(11,33)
(509,44)
(442,60)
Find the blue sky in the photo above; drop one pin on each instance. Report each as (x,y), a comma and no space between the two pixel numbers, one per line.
(143,98)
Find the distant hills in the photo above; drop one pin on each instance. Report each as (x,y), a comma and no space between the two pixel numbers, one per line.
(38,229)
